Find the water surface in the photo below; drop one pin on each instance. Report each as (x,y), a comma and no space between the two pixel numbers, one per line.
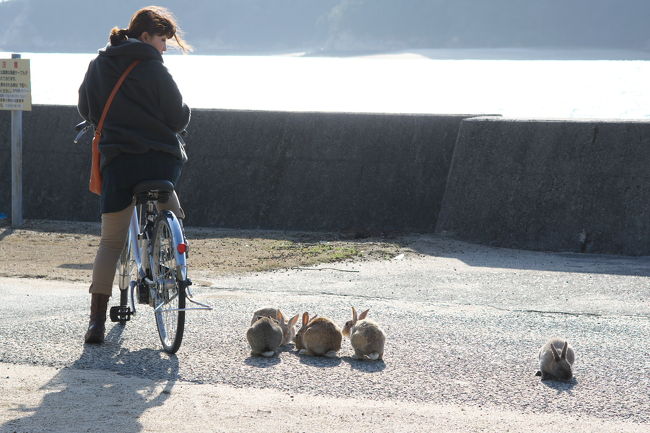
(398,83)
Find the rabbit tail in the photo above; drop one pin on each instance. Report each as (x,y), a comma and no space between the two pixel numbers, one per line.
(374,356)
(331,354)
(268,354)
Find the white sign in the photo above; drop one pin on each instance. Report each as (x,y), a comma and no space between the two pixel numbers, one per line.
(15,88)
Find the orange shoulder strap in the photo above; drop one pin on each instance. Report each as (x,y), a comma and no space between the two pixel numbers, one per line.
(95,185)
(109,101)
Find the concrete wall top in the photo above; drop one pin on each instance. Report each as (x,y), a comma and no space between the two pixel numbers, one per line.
(499,118)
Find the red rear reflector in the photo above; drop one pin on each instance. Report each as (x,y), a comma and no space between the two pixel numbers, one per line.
(182,248)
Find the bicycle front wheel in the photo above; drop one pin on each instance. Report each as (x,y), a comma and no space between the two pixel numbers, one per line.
(167,270)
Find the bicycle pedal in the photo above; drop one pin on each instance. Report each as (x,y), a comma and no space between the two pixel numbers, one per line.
(120,314)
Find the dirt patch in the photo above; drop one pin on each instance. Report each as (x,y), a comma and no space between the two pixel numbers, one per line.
(64,250)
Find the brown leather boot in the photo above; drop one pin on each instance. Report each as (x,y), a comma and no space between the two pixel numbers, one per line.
(98,305)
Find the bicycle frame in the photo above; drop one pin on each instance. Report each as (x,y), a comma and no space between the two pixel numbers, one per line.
(181,267)
(134,231)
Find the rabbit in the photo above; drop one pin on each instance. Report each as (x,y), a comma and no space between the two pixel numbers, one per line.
(318,337)
(554,366)
(366,337)
(264,336)
(288,328)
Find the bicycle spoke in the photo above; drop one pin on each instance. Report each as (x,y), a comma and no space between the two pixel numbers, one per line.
(162,304)
(169,299)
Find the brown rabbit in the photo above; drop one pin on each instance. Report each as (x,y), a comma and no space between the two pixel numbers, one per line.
(554,366)
(264,336)
(318,337)
(288,328)
(366,337)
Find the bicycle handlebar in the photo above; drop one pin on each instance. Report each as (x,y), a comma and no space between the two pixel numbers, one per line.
(84,126)
(81,129)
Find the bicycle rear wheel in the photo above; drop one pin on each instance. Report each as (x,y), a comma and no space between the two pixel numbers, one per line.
(170,291)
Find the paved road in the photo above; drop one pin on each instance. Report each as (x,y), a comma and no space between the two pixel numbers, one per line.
(464,324)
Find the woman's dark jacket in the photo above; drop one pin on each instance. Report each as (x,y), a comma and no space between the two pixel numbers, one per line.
(148,110)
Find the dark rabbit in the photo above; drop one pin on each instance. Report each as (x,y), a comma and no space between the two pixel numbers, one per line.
(288,327)
(556,360)
(264,336)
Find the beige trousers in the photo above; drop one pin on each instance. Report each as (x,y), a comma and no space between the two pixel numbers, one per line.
(115,228)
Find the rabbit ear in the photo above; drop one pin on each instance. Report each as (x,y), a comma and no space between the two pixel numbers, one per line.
(564,349)
(280,316)
(305,318)
(293,320)
(364,314)
(354,315)
(555,355)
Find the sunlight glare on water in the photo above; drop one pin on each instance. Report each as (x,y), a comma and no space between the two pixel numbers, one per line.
(405,83)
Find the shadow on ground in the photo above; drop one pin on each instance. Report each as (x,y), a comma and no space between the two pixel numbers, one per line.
(561,387)
(262,362)
(365,366)
(477,255)
(320,361)
(70,403)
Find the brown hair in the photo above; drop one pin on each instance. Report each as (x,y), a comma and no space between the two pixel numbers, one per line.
(155,20)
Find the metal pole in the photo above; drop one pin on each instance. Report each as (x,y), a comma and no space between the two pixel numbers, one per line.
(16,165)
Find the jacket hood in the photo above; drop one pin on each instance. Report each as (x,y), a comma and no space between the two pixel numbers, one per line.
(133,48)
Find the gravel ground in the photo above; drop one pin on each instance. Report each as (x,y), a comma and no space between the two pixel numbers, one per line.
(73,400)
(463,324)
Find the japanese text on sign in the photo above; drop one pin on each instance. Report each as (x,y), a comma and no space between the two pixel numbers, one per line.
(15,89)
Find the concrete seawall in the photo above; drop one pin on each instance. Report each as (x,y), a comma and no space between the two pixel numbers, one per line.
(55,171)
(318,171)
(580,186)
(359,173)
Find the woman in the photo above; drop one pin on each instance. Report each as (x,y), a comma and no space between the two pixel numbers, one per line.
(139,139)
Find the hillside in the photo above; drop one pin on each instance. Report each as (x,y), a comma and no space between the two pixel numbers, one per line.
(338,26)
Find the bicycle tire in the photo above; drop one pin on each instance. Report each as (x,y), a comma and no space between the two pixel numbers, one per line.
(169,280)
(126,273)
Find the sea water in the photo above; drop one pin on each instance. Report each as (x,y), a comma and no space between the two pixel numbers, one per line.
(400,83)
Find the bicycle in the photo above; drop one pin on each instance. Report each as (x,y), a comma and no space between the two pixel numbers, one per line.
(161,279)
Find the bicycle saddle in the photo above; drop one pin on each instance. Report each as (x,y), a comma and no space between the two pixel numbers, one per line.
(154,190)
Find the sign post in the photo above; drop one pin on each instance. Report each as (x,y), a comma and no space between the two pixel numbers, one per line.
(15,95)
